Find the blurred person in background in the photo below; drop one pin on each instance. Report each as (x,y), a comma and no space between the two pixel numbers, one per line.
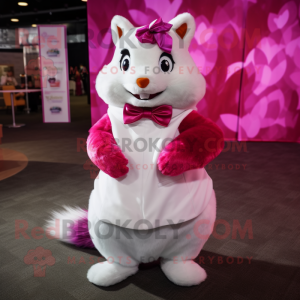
(78,84)
(9,79)
(84,77)
(34,100)
(71,74)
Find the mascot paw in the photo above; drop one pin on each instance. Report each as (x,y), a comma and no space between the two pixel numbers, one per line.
(106,274)
(171,160)
(185,273)
(115,164)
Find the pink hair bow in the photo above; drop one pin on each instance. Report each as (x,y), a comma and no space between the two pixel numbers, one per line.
(156,34)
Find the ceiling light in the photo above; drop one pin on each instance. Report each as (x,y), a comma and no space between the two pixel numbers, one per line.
(84,0)
(33,25)
(22,3)
(14,20)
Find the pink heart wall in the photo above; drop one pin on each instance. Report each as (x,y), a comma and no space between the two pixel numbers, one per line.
(248,52)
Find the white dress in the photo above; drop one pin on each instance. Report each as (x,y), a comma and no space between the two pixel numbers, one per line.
(145,198)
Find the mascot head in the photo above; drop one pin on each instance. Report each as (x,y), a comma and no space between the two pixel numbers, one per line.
(152,65)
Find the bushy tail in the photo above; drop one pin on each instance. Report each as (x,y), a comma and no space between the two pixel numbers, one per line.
(70,225)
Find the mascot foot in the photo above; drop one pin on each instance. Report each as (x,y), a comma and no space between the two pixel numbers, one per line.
(185,273)
(106,274)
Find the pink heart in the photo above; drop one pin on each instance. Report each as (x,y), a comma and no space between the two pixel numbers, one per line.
(269,48)
(230,121)
(202,34)
(281,20)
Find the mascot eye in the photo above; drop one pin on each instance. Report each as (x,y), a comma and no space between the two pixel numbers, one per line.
(166,63)
(125,63)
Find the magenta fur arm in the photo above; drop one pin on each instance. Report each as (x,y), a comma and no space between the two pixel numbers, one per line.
(199,142)
(103,150)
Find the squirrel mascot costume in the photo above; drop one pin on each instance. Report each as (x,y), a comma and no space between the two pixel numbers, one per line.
(152,198)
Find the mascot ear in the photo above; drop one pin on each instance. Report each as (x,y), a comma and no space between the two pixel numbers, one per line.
(119,27)
(184,25)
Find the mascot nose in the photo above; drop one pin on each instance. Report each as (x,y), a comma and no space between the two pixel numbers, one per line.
(142,82)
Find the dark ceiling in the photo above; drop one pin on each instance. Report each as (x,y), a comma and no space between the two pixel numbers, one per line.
(42,12)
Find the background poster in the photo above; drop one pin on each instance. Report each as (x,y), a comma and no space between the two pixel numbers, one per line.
(54,73)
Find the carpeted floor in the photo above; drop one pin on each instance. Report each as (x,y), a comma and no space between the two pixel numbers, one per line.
(257,187)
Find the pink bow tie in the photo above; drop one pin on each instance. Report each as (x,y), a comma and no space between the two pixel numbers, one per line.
(161,114)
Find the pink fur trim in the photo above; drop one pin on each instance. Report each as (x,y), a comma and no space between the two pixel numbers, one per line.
(199,142)
(103,150)
(81,237)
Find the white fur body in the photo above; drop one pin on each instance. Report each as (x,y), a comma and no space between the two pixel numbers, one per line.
(182,88)
(177,245)
(145,193)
